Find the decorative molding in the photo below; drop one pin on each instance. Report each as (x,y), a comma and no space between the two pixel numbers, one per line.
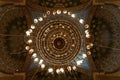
(103,76)
(79,7)
(15,76)
(13,20)
(15,2)
(105,28)
(102,2)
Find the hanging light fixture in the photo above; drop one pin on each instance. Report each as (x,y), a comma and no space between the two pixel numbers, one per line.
(41,61)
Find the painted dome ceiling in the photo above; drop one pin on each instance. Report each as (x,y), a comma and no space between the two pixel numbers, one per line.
(10,28)
(59,38)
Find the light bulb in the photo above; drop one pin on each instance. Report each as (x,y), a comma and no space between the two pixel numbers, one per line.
(69,68)
(88,46)
(31,50)
(35,21)
(27,33)
(74,67)
(40,19)
(91,44)
(32,27)
(42,66)
(48,12)
(57,71)
(62,70)
(58,11)
(50,70)
(54,12)
(29,41)
(41,61)
(87,35)
(27,47)
(30,30)
(44,15)
(86,32)
(65,12)
(36,60)
(88,52)
(86,26)
(34,55)
(84,55)
(81,21)
(69,13)
(73,15)
(79,62)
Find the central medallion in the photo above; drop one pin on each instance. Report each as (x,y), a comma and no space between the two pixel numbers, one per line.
(59,43)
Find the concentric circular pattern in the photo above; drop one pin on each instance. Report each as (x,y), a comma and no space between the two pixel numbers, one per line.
(58,41)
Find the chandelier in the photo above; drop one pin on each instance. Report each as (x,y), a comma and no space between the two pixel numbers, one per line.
(56,39)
